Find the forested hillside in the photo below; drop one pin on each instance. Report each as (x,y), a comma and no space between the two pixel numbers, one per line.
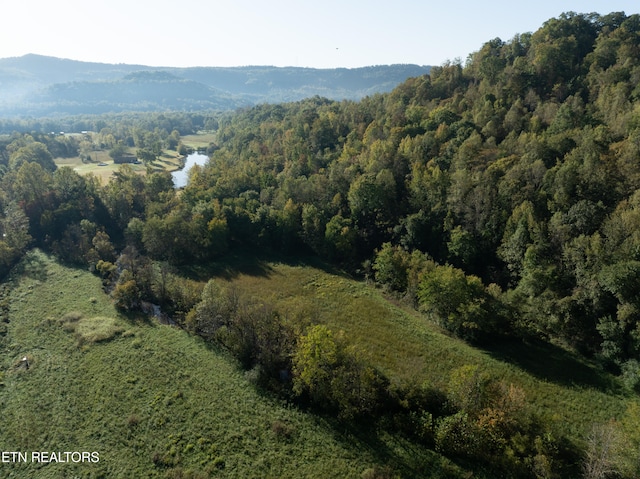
(519,168)
(499,198)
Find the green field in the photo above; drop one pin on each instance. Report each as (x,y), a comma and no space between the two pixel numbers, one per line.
(152,400)
(102,165)
(169,161)
(199,140)
(560,386)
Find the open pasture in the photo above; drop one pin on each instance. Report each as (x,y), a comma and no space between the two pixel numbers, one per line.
(103,165)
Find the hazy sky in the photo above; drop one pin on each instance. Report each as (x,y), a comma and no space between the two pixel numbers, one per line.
(321,34)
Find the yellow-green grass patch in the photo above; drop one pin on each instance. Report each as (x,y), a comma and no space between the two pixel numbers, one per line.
(103,167)
(92,330)
(200,140)
(559,385)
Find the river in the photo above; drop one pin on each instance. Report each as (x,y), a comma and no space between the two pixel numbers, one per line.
(181,177)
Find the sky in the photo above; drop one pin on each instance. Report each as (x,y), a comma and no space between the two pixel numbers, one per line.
(304,33)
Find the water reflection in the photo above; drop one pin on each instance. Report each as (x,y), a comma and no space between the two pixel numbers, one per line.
(181,177)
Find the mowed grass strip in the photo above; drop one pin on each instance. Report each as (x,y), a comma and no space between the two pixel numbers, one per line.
(103,167)
(199,140)
(150,399)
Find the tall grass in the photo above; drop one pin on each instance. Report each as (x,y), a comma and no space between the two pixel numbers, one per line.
(561,387)
(152,400)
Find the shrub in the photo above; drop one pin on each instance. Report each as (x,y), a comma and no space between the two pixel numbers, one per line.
(255,334)
(400,270)
(282,430)
(334,378)
(214,310)
(106,270)
(133,421)
(358,389)
(469,389)
(631,374)
(182,295)
(457,435)
(391,266)
(416,408)
(314,361)
(126,295)
(460,302)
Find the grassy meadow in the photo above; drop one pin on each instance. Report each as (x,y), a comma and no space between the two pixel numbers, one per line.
(559,385)
(152,400)
(169,160)
(200,140)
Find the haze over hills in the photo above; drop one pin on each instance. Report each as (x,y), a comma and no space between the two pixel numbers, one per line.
(41,85)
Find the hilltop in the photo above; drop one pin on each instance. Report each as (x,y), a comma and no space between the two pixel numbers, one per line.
(40,85)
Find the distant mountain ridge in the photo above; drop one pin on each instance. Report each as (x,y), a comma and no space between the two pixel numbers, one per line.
(41,85)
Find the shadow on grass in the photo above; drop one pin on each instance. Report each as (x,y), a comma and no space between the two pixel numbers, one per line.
(32,265)
(249,263)
(404,457)
(231,267)
(140,318)
(553,363)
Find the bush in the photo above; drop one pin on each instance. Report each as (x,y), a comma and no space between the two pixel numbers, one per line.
(215,309)
(126,295)
(470,389)
(460,302)
(415,410)
(283,430)
(334,378)
(181,295)
(399,270)
(457,435)
(391,266)
(631,374)
(255,334)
